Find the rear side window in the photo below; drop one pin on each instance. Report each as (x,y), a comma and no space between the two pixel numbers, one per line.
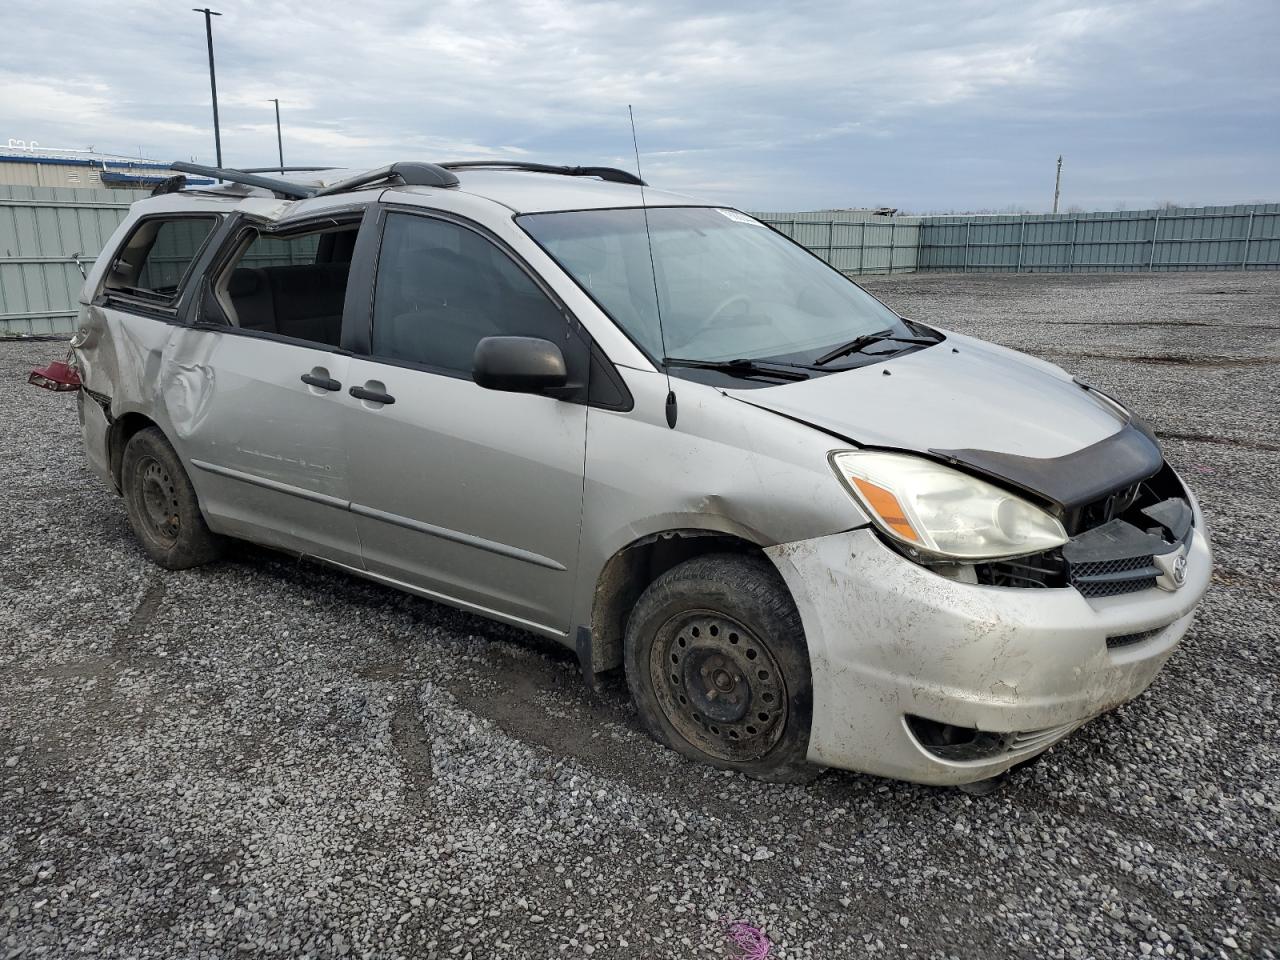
(288,285)
(442,288)
(266,251)
(155,260)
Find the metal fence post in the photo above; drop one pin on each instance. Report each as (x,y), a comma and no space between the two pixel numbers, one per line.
(831,238)
(1248,235)
(1071,250)
(1155,232)
(893,231)
(862,246)
(967,225)
(1022,235)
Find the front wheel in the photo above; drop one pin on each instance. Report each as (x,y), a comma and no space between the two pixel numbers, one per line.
(162,506)
(718,667)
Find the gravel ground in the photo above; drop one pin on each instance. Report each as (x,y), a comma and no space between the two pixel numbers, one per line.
(263,758)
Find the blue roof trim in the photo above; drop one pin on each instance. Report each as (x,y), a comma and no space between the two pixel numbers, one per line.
(53,161)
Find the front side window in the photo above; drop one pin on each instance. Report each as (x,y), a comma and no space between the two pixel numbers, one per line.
(728,286)
(157,257)
(442,288)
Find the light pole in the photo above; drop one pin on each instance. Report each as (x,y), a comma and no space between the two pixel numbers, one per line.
(1057,184)
(279,139)
(213,78)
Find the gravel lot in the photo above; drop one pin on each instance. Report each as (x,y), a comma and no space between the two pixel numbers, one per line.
(264,758)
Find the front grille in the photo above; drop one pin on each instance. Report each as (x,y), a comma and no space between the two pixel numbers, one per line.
(1038,570)
(1111,578)
(1129,639)
(1113,543)
(1101,511)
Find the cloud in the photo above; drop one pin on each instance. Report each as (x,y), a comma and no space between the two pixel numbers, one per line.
(933,104)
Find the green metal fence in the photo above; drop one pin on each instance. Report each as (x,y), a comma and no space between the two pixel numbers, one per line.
(1243,237)
(41,227)
(854,243)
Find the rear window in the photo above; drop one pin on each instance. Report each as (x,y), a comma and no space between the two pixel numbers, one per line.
(155,260)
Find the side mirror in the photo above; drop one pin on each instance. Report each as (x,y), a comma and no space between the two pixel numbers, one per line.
(519,365)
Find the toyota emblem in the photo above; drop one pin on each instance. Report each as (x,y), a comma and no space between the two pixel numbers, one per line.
(1180,570)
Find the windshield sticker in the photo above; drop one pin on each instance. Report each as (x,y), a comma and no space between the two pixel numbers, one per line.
(736,216)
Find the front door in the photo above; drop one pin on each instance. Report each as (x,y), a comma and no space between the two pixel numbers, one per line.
(467,494)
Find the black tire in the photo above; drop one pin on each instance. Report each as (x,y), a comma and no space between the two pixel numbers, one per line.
(727,622)
(162,506)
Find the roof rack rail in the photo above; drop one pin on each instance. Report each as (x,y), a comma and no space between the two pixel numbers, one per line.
(411,173)
(279,169)
(296,191)
(612,174)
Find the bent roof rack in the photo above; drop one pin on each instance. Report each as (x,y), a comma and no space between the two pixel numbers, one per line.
(412,173)
(612,174)
(280,169)
(297,191)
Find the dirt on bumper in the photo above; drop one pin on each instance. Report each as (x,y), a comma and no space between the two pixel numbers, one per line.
(888,639)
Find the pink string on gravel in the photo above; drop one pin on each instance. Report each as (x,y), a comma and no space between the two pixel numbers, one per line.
(750,939)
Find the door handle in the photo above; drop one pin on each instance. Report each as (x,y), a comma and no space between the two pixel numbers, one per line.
(373,396)
(324,383)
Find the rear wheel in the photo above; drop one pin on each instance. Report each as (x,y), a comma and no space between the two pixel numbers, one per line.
(718,667)
(162,506)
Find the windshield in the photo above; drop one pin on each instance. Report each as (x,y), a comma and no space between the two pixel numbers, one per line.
(729,287)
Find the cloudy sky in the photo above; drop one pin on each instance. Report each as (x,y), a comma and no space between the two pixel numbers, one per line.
(923,105)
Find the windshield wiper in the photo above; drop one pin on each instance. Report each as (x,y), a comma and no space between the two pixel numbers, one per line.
(741,368)
(866,340)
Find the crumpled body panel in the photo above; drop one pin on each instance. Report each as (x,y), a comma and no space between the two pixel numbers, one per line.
(888,639)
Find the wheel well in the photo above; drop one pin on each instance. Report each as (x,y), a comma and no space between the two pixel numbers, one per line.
(122,428)
(630,571)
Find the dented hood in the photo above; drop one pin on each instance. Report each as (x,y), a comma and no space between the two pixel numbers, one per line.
(1000,412)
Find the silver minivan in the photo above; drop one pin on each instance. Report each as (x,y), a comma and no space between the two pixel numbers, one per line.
(811,531)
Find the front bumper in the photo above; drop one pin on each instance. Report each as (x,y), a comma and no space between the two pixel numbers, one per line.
(888,639)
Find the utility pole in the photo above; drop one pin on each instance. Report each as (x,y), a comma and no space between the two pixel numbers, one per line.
(213,79)
(1057,184)
(279,139)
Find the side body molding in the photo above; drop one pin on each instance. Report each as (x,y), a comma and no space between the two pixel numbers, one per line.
(338,503)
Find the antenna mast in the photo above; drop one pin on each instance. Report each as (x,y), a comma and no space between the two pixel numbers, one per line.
(653,270)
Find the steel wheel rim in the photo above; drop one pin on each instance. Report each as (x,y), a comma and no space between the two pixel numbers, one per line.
(160,507)
(719,685)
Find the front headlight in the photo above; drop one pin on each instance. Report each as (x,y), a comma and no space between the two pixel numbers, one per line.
(943,511)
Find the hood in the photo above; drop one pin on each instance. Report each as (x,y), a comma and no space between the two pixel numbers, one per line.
(998,411)
(959,394)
